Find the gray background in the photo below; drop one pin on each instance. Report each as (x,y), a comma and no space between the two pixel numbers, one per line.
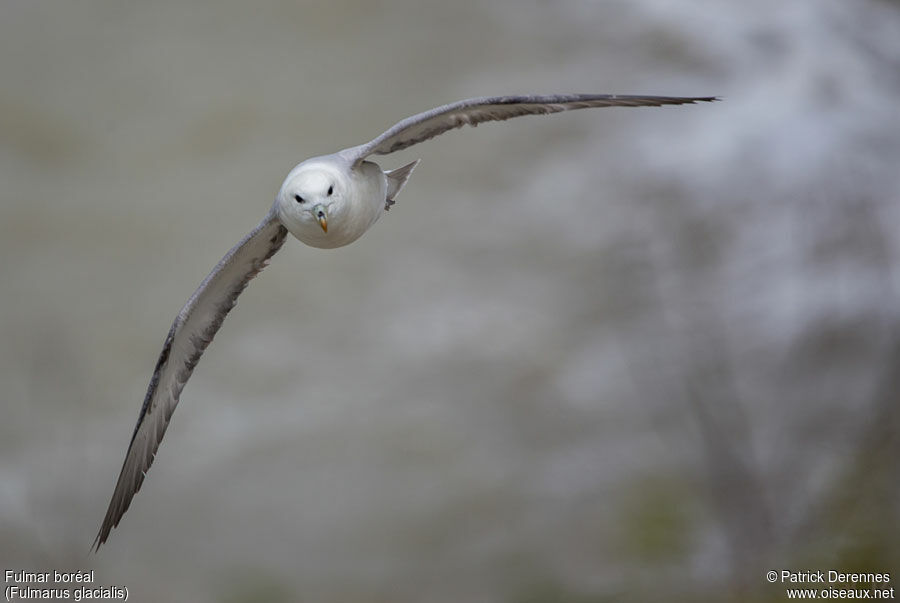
(616,354)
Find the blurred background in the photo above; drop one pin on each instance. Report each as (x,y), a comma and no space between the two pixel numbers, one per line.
(616,354)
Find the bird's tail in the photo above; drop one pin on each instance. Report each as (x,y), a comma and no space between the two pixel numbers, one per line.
(397,178)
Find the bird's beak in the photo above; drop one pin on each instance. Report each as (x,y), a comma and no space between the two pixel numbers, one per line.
(321,216)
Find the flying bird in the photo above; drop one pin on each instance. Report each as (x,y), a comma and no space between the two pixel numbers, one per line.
(326,202)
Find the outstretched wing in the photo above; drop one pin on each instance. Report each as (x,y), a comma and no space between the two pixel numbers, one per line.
(193,329)
(474,111)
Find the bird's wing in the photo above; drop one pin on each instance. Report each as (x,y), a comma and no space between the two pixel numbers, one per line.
(193,329)
(474,111)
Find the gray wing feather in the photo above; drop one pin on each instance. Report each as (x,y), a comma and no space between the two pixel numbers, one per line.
(193,330)
(474,111)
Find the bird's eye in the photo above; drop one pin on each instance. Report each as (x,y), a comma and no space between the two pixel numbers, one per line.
(330,190)
(299,199)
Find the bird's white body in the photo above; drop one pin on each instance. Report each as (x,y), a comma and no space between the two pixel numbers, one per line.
(352,198)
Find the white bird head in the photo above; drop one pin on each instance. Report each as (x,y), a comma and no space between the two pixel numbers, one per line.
(311,200)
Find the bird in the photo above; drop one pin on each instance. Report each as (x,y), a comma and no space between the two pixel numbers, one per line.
(326,202)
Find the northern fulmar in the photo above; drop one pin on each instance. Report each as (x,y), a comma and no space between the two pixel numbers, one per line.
(326,202)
